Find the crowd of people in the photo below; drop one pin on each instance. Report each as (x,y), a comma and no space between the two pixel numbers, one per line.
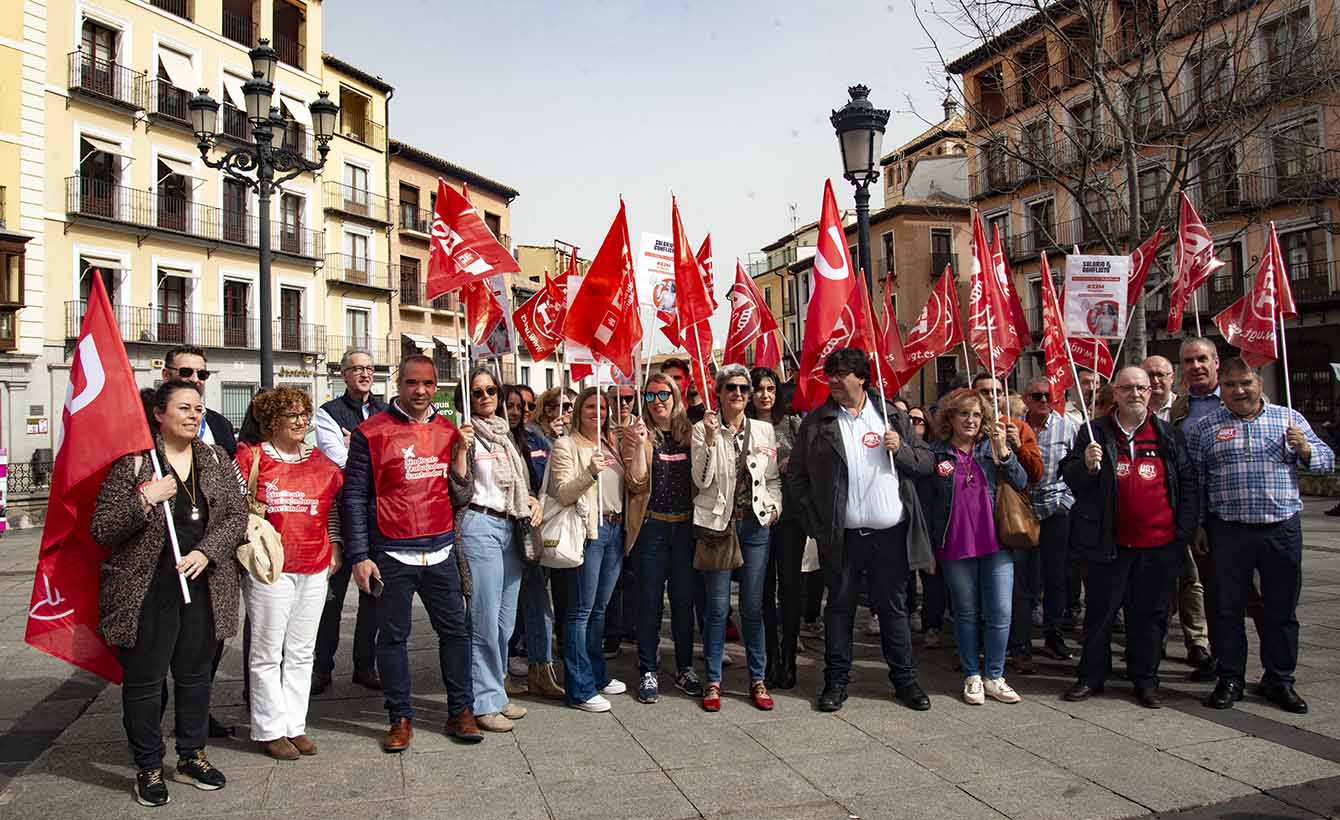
(1009,515)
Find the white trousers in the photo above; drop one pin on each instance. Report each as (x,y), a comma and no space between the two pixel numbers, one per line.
(284,620)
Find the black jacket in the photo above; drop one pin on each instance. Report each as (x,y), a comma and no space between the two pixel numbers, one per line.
(817,480)
(349,413)
(222,431)
(1094,514)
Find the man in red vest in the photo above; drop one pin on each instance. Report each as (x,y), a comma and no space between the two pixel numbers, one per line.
(408,467)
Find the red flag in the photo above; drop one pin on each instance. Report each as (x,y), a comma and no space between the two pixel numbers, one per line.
(891,345)
(868,336)
(1001,265)
(750,319)
(463,249)
(539,320)
(693,305)
(830,321)
(1092,354)
(1142,259)
(1193,256)
(937,330)
(1054,347)
(1250,323)
(767,353)
(482,311)
(704,257)
(992,332)
(603,316)
(102,421)
(1283,290)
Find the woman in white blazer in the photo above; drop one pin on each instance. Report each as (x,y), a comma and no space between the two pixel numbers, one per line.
(738,485)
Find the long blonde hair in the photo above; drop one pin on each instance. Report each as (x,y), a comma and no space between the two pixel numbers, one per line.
(681,429)
(542,418)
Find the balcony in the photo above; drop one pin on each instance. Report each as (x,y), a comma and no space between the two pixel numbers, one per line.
(290,51)
(358,271)
(181,8)
(938,263)
(105,80)
(383,350)
(411,289)
(239,29)
(358,202)
(1315,282)
(1221,291)
(2,207)
(98,199)
(168,326)
(413,219)
(236,126)
(364,130)
(166,101)
(999,176)
(1057,236)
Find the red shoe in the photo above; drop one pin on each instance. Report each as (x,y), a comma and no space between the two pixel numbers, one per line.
(712,697)
(732,631)
(759,692)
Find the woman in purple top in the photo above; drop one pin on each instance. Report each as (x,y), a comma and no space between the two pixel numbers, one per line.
(958,499)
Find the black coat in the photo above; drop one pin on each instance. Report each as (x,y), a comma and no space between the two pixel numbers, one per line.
(222,431)
(1094,515)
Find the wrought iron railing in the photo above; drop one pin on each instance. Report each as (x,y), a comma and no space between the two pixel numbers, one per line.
(357,202)
(169,326)
(107,79)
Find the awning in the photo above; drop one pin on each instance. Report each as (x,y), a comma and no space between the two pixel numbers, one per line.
(421,342)
(102,262)
(449,343)
(298,112)
(164,271)
(104,145)
(181,169)
(232,91)
(177,66)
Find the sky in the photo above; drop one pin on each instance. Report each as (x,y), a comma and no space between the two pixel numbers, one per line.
(724,103)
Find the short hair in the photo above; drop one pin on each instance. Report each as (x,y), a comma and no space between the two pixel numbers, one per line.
(1037,381)
(679,363)
(1237,366)
(358,351)
(414,358)
(1134,367)
(980,376)
(851,359)
(1195,341)
(951,404)
(183,350)
(269,406)
(1150,360)
(158,398)
(728,372)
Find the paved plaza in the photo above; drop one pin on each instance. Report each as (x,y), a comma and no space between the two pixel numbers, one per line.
(63,753)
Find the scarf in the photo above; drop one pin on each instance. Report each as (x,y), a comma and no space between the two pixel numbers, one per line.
(509,471)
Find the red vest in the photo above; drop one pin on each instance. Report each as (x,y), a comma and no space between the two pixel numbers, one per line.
(1144,516)
(298,499)
(410,463)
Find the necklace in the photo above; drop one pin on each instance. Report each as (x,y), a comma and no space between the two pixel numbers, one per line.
(191,494)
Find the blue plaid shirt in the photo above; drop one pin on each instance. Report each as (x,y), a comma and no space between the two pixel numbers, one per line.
(1055,439)
(1247,472)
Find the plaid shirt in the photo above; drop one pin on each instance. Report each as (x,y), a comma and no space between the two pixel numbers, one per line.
(1055,439)
(1247,473)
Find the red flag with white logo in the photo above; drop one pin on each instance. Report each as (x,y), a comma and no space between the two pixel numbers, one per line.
(830,320)
(1142,259)
(938,328)
(1194,259)
(1001,265)
(1283,290)
(604,316)
(103,420)
(462,249)
(991,329)
(1249,324)
(891,345)
(693,305)
(704,257)
(1059,375)
(750,319)
(482,311)
(1092,354)
(539,320)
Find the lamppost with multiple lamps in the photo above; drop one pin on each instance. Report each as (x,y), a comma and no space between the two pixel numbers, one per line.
(260,165)
(860,132)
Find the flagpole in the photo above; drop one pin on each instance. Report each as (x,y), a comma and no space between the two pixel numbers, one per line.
(1195,306)
(1074,375)
(465,366)
(1097,379)
(172,528)
(600,442)
(1284,349)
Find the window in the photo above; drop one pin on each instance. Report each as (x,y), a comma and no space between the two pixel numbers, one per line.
(98,42)
(354,109)
(1038,143)
(1150,184)
(1219,179)
(1298,152)
(174,194)
(356,328)
(1097,215)
(1145,105)
(548,378)
(107,268)
(355,257)
(172,324)
(297,124)
(287,24)
(355,189)
(410,292)
(236,400)
(525,375)
(942,251)
(767,296)
(290,319)
(946,368)
(411,219)
(236,305)
(97,61)
(996,164)
(291,235)
(1084,121)
(494,223)
(99,176)
(175,75)
(886,245)
(1289,45)
(235,211)
(1211,78)
(1226,282)
(1042,223)
(11,292)
(1305,259)
(998,222)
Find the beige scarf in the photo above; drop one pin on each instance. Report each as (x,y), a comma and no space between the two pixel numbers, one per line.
(509,470)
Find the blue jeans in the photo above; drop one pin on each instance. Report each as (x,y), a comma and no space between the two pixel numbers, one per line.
(495,574)
(664,551)
(988,579)
(589,590)
(754,545)
(537,614)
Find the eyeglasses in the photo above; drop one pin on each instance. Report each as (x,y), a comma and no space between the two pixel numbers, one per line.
(359,368)
(627,399)
(1133,388)
(294,418)
(742,389)
(478,394)
(1038,396)
(918,422)
(656,395)
(837,374)
(187,372)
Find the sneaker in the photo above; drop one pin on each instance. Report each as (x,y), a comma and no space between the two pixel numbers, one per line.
(150,790)
(614,687)
(595,703)
(649,690)
(812,629)
(199,772)
(687,682)
(517,666)
(972,690)
(495,722)
(931,640)
(998,689)
(872,626)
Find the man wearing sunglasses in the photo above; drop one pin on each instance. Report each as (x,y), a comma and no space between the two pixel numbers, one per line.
(187,362)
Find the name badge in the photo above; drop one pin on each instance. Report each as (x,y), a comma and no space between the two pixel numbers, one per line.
(1226,433)
(945,469)
(672,456)
(485,456)
(538,454)
(767,451)
(871,440)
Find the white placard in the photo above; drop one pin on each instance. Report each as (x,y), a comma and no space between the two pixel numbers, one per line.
(655,271)
(1095,295)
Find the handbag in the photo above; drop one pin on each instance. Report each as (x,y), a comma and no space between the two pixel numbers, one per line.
(561,537)
(716,550)
(1017,524)
(262,554)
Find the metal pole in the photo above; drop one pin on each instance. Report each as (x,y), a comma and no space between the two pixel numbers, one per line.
(265,173)
(863,234)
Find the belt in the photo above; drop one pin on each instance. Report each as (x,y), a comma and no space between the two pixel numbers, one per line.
(669,518)
(613,518)
(479,508)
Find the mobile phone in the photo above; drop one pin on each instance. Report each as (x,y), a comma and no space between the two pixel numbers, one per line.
(375,586)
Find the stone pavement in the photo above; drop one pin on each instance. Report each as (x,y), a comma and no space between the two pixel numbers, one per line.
(61,742)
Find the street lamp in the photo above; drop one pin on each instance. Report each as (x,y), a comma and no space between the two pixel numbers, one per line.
(860,132)
(257,163)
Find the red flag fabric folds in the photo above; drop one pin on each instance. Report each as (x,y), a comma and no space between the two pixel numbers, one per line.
(750,319)
(704,257)
(462,249)
(891,346)
(1193,256)
(693,306)
(938,327)
(604,314)
(1001,265)
(1092,354)
(1250,323)
(1142,259)
(1059,375)
(992,332)
(830,320)
(103,420)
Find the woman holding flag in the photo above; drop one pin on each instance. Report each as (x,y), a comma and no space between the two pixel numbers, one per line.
(143,600)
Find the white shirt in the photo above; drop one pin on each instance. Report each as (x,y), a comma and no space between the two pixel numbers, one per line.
(330,436)
(873,499)
(487,492)
(1165,411)
(418,559)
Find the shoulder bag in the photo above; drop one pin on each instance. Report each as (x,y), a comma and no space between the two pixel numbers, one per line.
(560,539)
(719,550)
(262,554)
(1017,524)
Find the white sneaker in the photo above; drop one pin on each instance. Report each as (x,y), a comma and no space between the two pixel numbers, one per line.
(594,704)
(614,687)
(931,640)
(517,667)
(972,690)
(1000,690)
(872,626)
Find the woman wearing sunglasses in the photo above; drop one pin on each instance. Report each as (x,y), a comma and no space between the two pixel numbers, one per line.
(734,462)
(487,532)
(552,413)
(659,532)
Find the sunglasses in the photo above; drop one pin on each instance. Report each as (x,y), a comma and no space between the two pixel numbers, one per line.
(528,405)
(742,389)
(187,372)
(1038,396)
(656,395)
(477,393)
(627,399)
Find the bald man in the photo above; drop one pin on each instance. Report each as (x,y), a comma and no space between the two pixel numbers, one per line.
(1161,397)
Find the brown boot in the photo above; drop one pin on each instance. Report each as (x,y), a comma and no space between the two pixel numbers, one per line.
(542,683)
(280,749)
(398,736)
(464,728)
(511,688)
(303,744)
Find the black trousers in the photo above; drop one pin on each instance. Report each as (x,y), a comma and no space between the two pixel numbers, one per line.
(328,632)
(882,556)
(814,593)
(439,589)
(934,600)
(1040,574)
(1142,579)
(1237,551)
(621,612)
(782,592)
(175,637)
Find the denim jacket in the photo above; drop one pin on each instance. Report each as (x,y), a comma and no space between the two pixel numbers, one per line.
(937,490)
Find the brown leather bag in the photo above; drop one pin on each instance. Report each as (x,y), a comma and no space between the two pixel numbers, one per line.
(716,550)
(1017,525)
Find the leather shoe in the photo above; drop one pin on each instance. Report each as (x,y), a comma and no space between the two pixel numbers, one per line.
(1056,647)
(913,697)
(218,729)
(832,698)
(463,727)
(1148,697)
(1206,672)
(280,749)
(1227,693)
(788,679)
(303,744)
(1081,691)
(398,736)
(368,678)
(1025,665)
(1197,656)
(1284,696)
(320,682)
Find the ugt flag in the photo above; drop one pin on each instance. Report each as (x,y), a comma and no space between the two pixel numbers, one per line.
(463,249)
